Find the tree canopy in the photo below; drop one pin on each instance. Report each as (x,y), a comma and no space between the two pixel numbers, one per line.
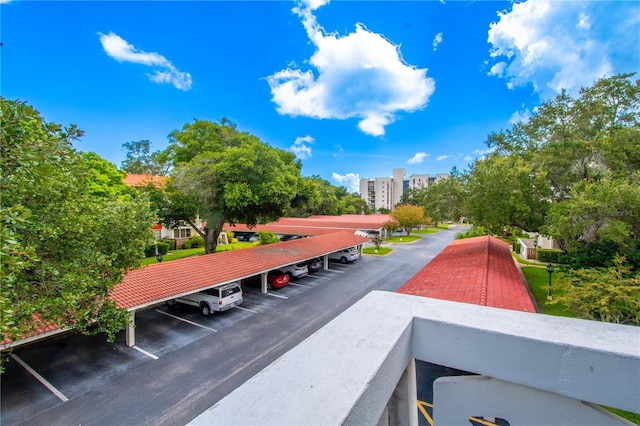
(225,175)
(69,230)
(408,216)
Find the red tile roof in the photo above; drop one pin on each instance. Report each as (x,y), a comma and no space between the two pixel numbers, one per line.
(476,270)
(317,225)
(162,281)
(133,179)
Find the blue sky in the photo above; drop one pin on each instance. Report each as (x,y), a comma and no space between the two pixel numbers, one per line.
(354,88)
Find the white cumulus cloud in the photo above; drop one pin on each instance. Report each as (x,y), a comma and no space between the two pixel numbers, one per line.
(436,41)
(350,180)
(442,157)
(165,72)
(417,158)
(360,75)
(520,116)
(555,45)
(302,146)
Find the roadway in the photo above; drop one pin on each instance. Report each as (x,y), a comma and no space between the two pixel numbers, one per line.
(183,363)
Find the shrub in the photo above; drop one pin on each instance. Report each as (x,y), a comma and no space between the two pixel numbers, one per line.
(548,255)
(267,237)
(197,241)
(187,244)
(170,243)
(233,240)
(150,250)
(473,232)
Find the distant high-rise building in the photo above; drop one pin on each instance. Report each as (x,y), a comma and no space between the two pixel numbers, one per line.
(385,192)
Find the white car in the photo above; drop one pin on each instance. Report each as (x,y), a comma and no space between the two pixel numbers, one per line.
(215,299)
(347,255)
(297,270)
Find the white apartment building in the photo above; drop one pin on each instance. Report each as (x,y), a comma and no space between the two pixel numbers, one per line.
(385,192)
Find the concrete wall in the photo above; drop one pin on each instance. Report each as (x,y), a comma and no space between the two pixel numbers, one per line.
(349,371)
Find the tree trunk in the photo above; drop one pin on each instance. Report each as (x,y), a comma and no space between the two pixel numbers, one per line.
(211,238)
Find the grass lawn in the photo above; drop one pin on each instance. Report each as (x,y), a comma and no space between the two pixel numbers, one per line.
(524,261)
(179,254)
(427,231)
(402,239)
(381,251)
(538,279)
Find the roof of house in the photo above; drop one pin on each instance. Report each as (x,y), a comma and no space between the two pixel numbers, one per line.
(164,281)
(133,179)
(476,270)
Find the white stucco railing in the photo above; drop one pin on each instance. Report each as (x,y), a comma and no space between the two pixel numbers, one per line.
(359,368)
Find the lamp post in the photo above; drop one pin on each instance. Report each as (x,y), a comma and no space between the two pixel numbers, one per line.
(535,248)
(158,254)
(550,271)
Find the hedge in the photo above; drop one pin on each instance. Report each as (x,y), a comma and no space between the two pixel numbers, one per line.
(548,255)
(150,250)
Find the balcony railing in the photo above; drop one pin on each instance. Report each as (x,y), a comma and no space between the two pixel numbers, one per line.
(360,369)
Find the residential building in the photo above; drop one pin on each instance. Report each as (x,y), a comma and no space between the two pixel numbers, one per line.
(386,192)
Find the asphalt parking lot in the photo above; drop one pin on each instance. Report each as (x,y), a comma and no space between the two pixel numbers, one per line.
(183,362)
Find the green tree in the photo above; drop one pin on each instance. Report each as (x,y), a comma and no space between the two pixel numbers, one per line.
(443,200)
(231,176)
(104,178)
(140,160)
(64,245)
(353,204)
(609,295)
(408,216)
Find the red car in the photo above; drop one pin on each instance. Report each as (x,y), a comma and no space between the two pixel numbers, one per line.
(275,279)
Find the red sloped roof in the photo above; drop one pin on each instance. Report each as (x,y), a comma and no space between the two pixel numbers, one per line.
(164,281)
(133,179)
(317,225)
(476,270)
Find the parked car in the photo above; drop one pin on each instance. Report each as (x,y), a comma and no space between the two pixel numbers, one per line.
(215,299)
(275,279)
(347,255)
(297,270)
(289,237)
(314,264)
(246,236)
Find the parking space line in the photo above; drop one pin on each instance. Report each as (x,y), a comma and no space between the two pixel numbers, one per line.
(186,320)
(246,309)
(299,285)
(149,354)
(41,379)
(277,295)
(319,278)
(336,271)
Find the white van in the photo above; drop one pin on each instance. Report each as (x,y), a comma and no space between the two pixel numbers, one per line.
(215,299)
(347,255)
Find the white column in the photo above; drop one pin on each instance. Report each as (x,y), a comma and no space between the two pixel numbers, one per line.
(402,408)
(131,329)
(263,280)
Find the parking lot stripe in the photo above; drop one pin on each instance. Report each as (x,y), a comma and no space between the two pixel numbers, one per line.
(299,285)
(41,379)
(246,309)
(186,320)
(333,270)
(149,354)
(315,277)
(277,295)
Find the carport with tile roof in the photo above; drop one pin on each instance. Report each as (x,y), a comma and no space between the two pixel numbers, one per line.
(476,270)
(157,283)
